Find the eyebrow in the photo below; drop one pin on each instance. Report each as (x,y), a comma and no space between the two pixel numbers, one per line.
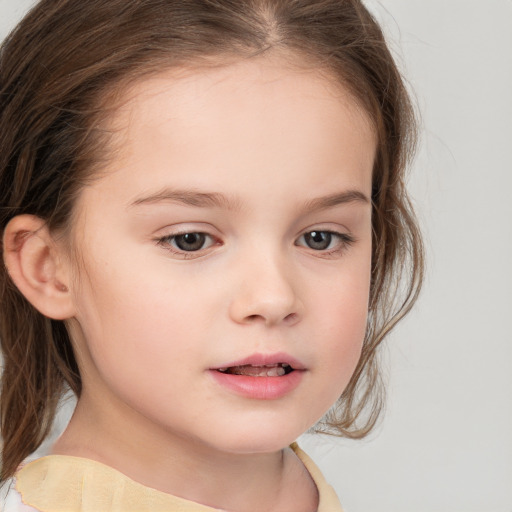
(189,198)
(218,200)
(330,201)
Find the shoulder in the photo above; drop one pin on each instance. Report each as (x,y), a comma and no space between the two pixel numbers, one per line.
(328,500)
(10,499)
(74,484)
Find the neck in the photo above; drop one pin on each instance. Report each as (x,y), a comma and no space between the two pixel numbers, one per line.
(182,466)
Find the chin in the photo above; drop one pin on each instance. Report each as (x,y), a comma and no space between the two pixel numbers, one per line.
(260,437)
(254,446)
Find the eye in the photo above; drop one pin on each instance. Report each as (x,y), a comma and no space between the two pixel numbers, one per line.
(329,241)
(190,241)
(318,240)
(187,242)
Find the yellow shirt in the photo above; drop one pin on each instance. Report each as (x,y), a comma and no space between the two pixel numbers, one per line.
(60,483)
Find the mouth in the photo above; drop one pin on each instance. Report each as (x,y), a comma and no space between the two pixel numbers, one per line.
(262,365)
(267,370)
(261,376)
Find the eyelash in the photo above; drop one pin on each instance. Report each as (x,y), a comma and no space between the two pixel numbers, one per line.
(167,243)
(344,241)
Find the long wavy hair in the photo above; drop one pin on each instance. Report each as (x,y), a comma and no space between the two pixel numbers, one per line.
(60,68)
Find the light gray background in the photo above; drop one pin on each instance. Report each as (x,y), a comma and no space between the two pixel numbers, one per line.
(445,444)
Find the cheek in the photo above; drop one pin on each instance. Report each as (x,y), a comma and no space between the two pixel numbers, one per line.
(141,321)
(343,311)
(133,345)
(343,335)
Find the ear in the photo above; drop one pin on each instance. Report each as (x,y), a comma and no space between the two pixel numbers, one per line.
(37,267)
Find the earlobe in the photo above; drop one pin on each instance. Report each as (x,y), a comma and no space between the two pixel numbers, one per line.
(34,264)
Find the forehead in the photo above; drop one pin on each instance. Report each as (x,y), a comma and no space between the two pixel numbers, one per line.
(263,119)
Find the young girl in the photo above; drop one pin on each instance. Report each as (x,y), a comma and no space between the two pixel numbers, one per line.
(206,236)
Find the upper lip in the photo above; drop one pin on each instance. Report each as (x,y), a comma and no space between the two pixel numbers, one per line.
(264,360)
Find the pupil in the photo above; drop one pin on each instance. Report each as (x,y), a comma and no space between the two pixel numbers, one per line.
(319,240)
(190,241)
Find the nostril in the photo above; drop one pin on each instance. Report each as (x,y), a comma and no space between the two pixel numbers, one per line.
(288,319)
(291,317)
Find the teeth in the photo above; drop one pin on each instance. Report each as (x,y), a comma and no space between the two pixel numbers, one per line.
(268,370)
(276,372)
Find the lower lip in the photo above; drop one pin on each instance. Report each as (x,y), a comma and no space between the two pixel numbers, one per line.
(259,388)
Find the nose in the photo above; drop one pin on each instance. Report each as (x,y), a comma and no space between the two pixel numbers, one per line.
(267,293)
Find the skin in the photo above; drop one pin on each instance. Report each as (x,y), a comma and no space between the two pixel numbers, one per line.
(150,320)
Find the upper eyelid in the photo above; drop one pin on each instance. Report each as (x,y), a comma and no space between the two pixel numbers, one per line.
(187,232)
(171,232)
(209,229)
(181,233)
(346,237)
(175,230)
(331,226)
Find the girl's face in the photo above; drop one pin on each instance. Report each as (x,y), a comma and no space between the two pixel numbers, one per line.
(223,285)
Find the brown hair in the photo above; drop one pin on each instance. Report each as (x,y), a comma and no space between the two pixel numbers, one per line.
(55,70)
